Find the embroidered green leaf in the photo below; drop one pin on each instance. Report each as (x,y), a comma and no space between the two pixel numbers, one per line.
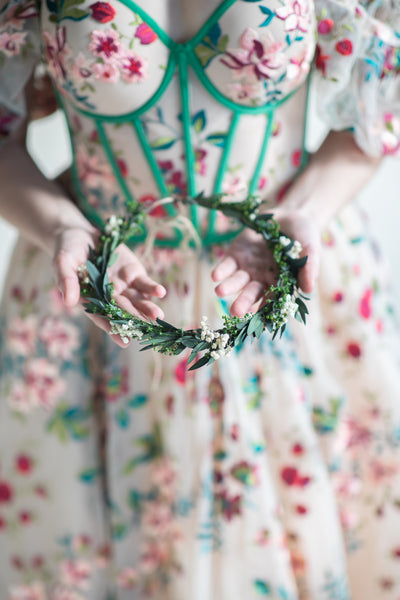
(75,14)
(205,54)
(122,418)
(119,531)
(199,121)
(223,43)
(217,139)
(262,587)
(137,401)
(270,15)
(163,143)
(152,447)
(89,475)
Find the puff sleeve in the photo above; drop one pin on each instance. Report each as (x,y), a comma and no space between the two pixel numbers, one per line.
(357,71)
(19,53)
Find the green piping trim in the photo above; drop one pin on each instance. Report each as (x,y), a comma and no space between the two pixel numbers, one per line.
(186,122)
(110,155)
(169,72)
(249,110)
(147,151)
(163,35)
(222,169)
(261,158)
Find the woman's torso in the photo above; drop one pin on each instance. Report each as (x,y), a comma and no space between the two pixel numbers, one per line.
(176,97)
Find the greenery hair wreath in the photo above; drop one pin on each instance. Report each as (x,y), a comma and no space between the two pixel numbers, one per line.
(282,300)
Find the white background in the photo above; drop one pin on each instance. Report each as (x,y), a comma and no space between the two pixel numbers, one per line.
(49,145)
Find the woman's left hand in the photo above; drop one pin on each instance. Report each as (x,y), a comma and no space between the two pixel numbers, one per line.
(248,269)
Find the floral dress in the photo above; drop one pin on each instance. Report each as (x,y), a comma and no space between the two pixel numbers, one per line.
(274,473)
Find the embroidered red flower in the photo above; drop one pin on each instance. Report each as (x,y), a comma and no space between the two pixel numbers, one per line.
(122,167)
(325,26)
(298,449)
(338,296)
(6,492)
(25,517)
(102,12)
(364,307)
(321,59)
(354,349)
(344,47)
(23,464)
(296,158)
(301,509)
(145,34)
(289,475)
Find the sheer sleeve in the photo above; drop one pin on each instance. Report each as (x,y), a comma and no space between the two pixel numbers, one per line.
(357,71)
(19,53)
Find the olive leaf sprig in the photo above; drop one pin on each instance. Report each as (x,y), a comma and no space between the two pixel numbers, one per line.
(282,300)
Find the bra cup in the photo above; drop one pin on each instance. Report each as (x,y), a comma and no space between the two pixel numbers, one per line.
(260,63)
(113,85)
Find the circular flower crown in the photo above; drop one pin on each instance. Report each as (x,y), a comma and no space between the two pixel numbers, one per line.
(282,300)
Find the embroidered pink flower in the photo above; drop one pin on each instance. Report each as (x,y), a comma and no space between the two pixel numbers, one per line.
(91,170)
(133,67)
(43,384)
(157,519)
(59,337)
(390,134)
(32,591)
(107,72)
(240,91)
(11,43)
(21,335)
(102,12)
(145,34)
(164,477)
(17,13)
(127,578)
(57,52)
(382,471)
(81,68)
(81,543)
(297,67)
(19,399)
(154,555)
(106,45)
(364,308)
(64,593)
(76,573)
(234,184)
(258,57)
(295,15)
(325,26)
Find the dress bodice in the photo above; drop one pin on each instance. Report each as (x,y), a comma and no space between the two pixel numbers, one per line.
(149,116)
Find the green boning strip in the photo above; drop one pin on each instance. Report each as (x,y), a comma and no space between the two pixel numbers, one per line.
(186,122)
(256,176)
(222,168)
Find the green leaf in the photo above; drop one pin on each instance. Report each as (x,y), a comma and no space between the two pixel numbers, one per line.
(119,531)
(217,139)
(262,587)
(199,121)
(205,54)
(163,143)
(205,360)
(137,401)
(89,475)
(189,342)
(255,323)
(223,43)
(122,418)
(75,14)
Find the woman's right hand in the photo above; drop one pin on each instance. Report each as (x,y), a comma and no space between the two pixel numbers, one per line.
(133,288)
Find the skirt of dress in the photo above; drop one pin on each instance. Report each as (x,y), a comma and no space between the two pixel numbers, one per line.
(275,473)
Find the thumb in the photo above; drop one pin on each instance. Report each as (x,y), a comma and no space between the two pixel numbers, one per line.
(67,278)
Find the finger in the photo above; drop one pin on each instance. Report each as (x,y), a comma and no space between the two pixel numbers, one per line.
(233,284)
(138,306)
(146,285)
(251,294)
(224,269)
(308,274)
(67,278)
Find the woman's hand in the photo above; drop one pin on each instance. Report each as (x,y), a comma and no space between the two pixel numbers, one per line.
(249,269)
(133,288)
